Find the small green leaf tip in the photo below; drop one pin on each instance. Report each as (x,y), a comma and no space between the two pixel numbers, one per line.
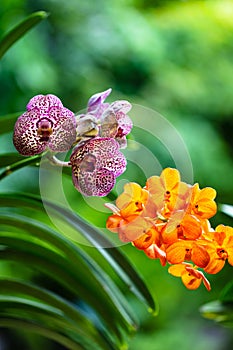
(154,312)
(42,14)
(20,30)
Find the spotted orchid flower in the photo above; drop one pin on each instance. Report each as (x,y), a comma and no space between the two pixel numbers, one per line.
(104,119)
(115,122)
(95,166)
(45,125)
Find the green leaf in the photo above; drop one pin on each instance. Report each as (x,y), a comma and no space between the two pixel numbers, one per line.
(218,311)
(113,256)
(67,312)
(43,331)
(7,159)
(43,249)
(226,209)
(65,269)
(221,310)
(7,122)
(18,31)
(25,161)
(227,293)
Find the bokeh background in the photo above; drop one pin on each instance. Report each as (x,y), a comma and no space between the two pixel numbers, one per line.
(174,57)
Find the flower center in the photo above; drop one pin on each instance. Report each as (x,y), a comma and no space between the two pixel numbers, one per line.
(222,253)
(188,253)
(44,129)
(88,163)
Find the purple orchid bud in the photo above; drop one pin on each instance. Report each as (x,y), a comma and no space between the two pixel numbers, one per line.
(95,166)
(96,103)
(45,125)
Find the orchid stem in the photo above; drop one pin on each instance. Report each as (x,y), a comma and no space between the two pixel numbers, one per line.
(55,161)
(18,165)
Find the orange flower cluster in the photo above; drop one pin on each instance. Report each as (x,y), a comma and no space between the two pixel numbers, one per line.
(169,220)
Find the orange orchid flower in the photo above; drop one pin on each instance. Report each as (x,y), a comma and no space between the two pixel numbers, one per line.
(164,188)
(152,236)
(128,207)
(190,276)
(168,192)
(220,248)
(132,200)
(202,202)
(134,229)
(168,220)
(181,226)
(115,221)
(183,250)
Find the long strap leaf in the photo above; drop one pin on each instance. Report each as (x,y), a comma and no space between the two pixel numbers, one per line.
(115,258)
(75,256)
(81,276)
(41,330)
(73,317)
(17,32)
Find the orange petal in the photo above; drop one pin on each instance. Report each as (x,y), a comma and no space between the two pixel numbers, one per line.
(207,193)
(176,270)
(113,222)
(153,184)
(177,252)
(202,202)
(169,237)
(206,283)
(154,252)
(136,228)
(215,265)
(191,282)
(198,274)
(145,240)
(133,194)
(191,227)
(170,178)
(206,208)
(230,255)
(183,197)
(175,220)
(156,191)
(200,256)
(226,232)
(219,237)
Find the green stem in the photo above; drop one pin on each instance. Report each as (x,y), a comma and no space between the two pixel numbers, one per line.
(20,164)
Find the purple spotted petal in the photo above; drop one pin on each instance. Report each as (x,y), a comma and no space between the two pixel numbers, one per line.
(97,99)
(26,139)
(115,123)
(44,102)
(95,166)
(121,106)
(109,124)
(97,183)
(64,129)
(46,125)
(122,142)
(125,124)
(86,124)
(96,105)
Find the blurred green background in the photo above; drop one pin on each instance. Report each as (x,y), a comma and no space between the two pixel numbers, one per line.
(174,57)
